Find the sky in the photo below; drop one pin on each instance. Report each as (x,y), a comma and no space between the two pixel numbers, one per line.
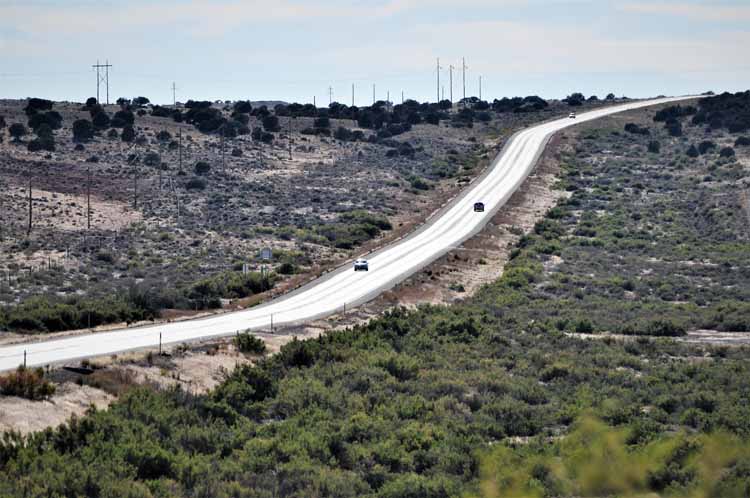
(295,50)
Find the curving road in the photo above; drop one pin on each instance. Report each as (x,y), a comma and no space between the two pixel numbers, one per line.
(343,287)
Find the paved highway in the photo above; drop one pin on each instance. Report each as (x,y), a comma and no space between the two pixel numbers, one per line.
(343,287)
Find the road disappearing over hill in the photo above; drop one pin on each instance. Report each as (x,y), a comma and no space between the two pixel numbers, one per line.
(342,288)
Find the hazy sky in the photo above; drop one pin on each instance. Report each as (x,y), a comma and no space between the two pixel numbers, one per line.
(291,50)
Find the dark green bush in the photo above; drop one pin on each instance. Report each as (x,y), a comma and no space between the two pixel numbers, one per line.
(248,343)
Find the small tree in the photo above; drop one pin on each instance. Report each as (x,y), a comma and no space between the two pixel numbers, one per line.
(141,101)
(610,96)
(692,151)
(271,123)
(83,130)
(91,102)
(17,130)
(101,120)
(654,146)
(128,134)
(2,122)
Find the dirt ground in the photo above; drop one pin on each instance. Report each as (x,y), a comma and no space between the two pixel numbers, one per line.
(26,416)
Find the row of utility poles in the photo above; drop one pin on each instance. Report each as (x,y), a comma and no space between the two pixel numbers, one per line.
(441,89)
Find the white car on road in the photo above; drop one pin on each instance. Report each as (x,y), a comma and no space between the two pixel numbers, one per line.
(361,264)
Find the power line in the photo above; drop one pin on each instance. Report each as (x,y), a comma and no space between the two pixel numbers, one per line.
(102,78)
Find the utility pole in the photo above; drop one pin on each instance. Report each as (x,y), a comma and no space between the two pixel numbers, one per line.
(223,131)
(88,198)
(373,94)
(438,79)
(315,105)
(352,94)
(463,64)
(174,94)
(179,148)
(402,97)
(442,93)
(102,79)
(290,137)
(480,87)
(135,187)
(451,68)
(330,95)
(28,232)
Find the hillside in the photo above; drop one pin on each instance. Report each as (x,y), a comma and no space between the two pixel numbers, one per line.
(182,198)
(589,353)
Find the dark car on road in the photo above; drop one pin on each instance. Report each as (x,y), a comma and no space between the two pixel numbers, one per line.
(479,207)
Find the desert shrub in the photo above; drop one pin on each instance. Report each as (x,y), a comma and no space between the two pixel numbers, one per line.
(654,146)
(164,136)
(17,131)
(26,383)
(637,130)
(658,328)
(35,105)
(101,120)
(575,99)
(83,130)
(152,159)
(673,113)
(141,101)
(692,151)
(243,107)
(2,122)
(236,152)
(322,122)
(128,134)
(196,183)
(112,133)
(706,146)
(726,152)
(123,118)
(674,128)
(740,142)
(202,168)
(248,343)
(53,119)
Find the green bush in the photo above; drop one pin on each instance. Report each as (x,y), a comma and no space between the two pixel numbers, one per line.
(248,343)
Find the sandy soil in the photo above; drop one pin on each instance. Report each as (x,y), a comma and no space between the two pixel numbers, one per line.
(70,399)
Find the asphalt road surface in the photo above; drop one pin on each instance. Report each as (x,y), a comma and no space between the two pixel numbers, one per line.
(343,287)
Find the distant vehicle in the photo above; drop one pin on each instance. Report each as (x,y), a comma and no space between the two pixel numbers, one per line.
(479,207)
(572,115)
(361,264)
